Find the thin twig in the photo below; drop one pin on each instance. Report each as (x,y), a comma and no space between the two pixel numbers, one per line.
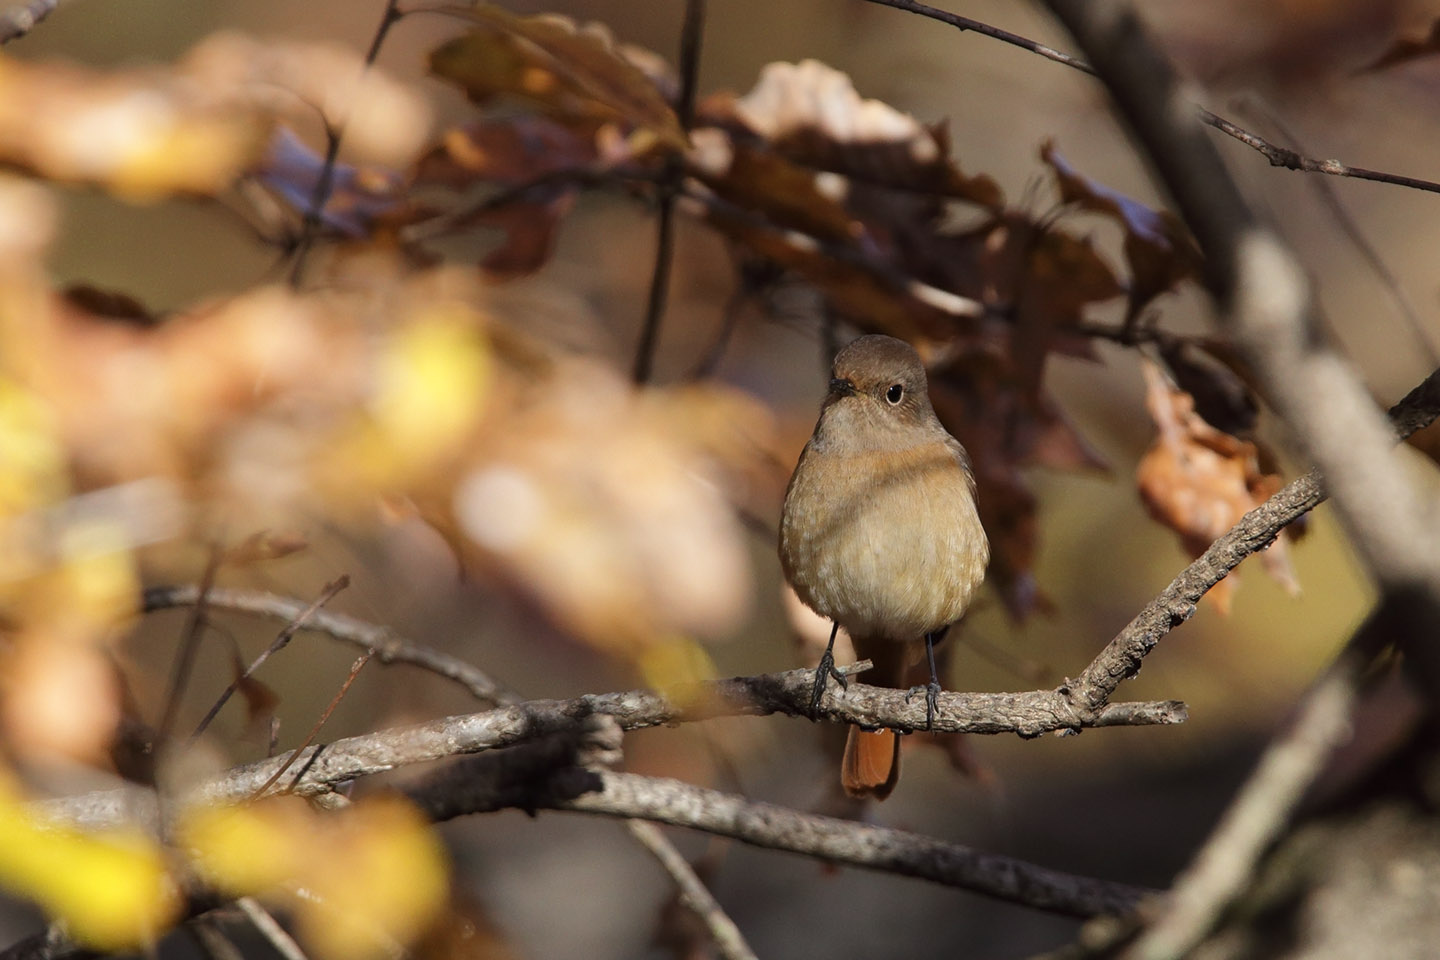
(693,892)
(355,669)
(334,134)
(1278,156)
(22,18)
(378,640)
(1330,198)
(690,34)
(279,643)
(268,927)
(189,644)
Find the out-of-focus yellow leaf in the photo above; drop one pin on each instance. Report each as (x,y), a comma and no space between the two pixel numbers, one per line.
(111,889)
(32,460)
(386,879)
(360,881)
(432,378)
(677,668)
(249,849)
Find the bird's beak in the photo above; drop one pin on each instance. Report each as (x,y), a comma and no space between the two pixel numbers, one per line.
(840,387)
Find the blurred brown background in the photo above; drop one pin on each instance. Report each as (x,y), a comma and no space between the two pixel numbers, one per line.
(1121,803)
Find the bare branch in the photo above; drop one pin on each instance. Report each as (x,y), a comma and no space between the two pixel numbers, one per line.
(690,33)
(1277,155)
(774,827)
(334,134)
(1256,817)
(693,892)
(387,647)
(1175,604)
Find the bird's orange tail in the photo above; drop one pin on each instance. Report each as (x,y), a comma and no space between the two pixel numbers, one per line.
(872,763)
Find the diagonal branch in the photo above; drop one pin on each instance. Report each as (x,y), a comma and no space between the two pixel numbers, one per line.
(630,796)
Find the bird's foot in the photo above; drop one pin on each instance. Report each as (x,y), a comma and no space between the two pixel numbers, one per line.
(932,700)
(824,671)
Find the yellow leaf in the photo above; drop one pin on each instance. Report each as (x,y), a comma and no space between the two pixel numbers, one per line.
(679,669)
(385,881)
(432,381)
(248,849)
(111,890)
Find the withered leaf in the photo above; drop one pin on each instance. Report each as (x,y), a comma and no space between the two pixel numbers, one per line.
(260,700)
(1158,249)
(508,151)
(811,114)
(572,73)
(358,196)
(1199,481)
(1221,397)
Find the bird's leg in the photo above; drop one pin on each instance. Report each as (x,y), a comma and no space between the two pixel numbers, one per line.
(932,689)
(825,670)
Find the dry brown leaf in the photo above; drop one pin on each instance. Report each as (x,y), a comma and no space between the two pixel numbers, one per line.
(1199,481)
(385,121)
(1158,248)
(575,74)
(811,114)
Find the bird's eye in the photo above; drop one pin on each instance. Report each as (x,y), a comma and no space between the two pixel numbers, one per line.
(895,393)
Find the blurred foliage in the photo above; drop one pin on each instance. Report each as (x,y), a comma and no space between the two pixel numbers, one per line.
(404,386)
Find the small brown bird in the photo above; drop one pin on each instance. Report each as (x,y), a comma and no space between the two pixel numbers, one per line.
(879,533)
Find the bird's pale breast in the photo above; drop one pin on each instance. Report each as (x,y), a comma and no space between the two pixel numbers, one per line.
(889,543)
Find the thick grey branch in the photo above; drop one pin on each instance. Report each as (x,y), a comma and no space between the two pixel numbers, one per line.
(555,774)
(855,844)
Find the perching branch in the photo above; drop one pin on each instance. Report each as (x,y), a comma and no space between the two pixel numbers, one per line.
(317,769)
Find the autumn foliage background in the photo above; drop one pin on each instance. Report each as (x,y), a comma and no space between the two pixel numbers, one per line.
(450,422)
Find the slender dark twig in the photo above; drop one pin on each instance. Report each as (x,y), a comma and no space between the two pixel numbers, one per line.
(690,35)
(1330,198)
(334,134)
(189,644)
(355,669)
(278,644)
(1277,155)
